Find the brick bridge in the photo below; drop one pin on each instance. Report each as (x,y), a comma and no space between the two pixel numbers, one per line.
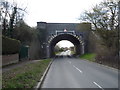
(52,33)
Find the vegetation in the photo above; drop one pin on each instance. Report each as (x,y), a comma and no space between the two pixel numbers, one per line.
(26,76)
(58,49)
(72,52)
(72,49)
(12,21)
(57,53)
(13,26)
(24,33)
(10,15)
(103,15)
(10,46)
(104,19)
(89,56)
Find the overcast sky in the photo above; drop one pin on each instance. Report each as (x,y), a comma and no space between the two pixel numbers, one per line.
(62,11)
(64,43)
(54,10)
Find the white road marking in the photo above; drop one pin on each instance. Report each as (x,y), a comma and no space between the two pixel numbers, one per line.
(98,85)
(77,69)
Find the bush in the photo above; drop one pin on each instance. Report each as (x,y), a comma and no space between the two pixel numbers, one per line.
(9,45)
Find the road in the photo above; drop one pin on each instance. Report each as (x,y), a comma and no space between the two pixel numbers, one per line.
(75,73)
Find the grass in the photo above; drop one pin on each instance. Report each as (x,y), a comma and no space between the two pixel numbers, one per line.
(88,56)
(72,52)
(57,53)
(26,76)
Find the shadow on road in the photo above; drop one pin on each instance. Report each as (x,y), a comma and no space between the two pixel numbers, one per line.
(65,56)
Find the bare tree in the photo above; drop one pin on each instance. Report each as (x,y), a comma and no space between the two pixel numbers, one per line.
(4,11)
(10,15)
(104,15)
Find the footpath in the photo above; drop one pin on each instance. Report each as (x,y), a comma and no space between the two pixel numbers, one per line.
(19,64)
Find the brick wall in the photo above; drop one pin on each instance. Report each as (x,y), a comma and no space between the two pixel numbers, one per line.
(9,59)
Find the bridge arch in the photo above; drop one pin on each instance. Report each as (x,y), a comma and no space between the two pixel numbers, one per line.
(77,41)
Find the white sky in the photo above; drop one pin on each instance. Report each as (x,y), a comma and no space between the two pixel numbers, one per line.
(62,11)
(55,10)
(65,43)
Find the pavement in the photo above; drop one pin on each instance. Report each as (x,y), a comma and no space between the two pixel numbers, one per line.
(77,73)
(19,64)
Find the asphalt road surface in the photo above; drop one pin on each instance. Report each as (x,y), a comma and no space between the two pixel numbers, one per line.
(75,73)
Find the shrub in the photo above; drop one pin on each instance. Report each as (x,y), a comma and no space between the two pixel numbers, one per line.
(9,45)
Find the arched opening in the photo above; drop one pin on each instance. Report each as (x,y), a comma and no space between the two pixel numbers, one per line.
(64,48)
(78,44)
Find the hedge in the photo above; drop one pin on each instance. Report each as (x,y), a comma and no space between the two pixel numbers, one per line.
(10,46)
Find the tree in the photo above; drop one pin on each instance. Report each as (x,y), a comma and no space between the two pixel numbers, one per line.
(104,18)
(4,9)
(105,21)
(10,15)
(103,15)
(23,32)
(56,48)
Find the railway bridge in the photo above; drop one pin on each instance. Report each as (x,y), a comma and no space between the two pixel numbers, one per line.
(51,33)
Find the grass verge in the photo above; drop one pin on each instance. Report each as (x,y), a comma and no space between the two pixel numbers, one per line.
(26,76)
(88,56)
(72,52)
(57,53)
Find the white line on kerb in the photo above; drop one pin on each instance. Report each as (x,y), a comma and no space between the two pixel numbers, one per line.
(98,85)
(77,69)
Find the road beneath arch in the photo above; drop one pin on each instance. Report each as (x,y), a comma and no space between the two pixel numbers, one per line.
(75,73)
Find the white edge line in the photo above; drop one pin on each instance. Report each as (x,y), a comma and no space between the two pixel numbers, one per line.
(98,85)
(43,76)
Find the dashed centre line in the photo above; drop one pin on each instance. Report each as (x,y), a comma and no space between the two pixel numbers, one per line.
(98,85)
(82,72)
(77,69)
